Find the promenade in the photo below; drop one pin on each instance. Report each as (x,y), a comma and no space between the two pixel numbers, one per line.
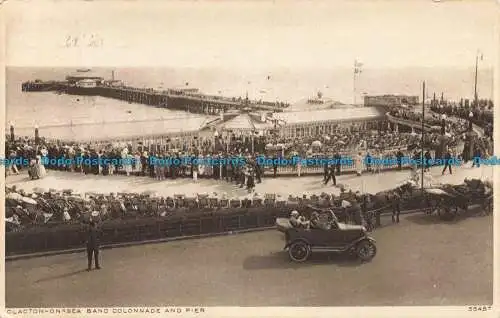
(420,262)
(284,186)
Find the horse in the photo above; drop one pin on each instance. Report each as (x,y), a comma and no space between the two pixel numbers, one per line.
(382,201)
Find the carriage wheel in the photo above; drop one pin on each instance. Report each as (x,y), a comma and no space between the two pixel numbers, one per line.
(445,213)
(488,207)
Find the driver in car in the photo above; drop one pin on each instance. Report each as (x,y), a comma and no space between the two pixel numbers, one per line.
(315,222)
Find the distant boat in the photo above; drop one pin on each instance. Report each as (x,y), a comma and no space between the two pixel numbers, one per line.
(83,70)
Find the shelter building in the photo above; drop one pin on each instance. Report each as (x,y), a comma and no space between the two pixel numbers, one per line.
(314,123)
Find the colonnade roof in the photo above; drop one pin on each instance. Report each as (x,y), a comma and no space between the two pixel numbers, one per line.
(332,115)
(118,130)
(245,122)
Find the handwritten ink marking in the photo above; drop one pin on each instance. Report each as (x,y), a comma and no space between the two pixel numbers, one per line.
(83,40)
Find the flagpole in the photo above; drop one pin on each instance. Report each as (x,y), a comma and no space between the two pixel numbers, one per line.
(354,83)
(422,138)
(475,80)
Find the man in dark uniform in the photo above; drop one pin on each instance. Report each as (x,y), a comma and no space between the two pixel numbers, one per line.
(93,245)
(229,171)
(364,213)
(338,162)
(258,171)
(216,166)
(331,175)
(447,164)
(399,157)
(325,172)
(428,159)
(275,166)
(144,163)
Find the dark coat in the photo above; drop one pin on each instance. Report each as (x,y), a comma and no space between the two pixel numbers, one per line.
(93,236)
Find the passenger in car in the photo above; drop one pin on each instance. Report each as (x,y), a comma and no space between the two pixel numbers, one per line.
(297,221)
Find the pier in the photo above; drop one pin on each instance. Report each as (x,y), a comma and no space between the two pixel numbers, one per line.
(177,99)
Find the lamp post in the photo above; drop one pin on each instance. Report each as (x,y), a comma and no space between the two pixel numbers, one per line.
(475,79)
(37,136)
(470,135)
(443,124)
(471,116)
(12,136)
(254,132)
(423,136)
(216,134)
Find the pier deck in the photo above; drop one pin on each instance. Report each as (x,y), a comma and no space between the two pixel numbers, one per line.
(171,99)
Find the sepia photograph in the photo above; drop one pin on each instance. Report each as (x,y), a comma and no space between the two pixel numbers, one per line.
(292,154)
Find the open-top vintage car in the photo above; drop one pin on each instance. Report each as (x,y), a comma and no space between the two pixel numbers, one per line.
(336,237)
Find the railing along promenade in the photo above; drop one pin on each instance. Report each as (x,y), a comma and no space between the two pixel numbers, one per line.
(409,123)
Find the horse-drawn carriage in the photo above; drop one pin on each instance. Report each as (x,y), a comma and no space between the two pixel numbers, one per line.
(450,201)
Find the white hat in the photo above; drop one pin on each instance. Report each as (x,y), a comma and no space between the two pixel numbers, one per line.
(294,212)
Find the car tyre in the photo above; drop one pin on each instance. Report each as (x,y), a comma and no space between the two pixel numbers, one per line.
(299,251)
(366,250)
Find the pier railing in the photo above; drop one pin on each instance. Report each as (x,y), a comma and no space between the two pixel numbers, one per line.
(152,96)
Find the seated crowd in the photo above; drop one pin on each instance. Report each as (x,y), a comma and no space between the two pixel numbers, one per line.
(44,206)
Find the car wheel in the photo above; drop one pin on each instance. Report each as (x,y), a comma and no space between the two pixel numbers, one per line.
(366,251)
(299,251)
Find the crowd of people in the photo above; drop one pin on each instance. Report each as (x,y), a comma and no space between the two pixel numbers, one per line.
(355,143)
(341,143)
(48,206)
(483,117)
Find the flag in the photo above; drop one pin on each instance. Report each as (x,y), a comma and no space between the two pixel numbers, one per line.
(357,67)
(479,55)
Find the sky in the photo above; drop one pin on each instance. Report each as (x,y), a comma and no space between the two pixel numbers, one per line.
(253,36)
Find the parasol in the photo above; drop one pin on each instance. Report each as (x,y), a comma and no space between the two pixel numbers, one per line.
(316,143)
(149,192)
(327,138)
(39,190)
(29,200)
(340,142)
(346,204)
(14,196)
(437,191)
(76,197)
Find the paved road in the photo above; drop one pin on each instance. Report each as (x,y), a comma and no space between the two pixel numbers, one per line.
(421,261)
(371,183)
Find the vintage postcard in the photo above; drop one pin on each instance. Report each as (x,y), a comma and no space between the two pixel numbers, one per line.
(249,158)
